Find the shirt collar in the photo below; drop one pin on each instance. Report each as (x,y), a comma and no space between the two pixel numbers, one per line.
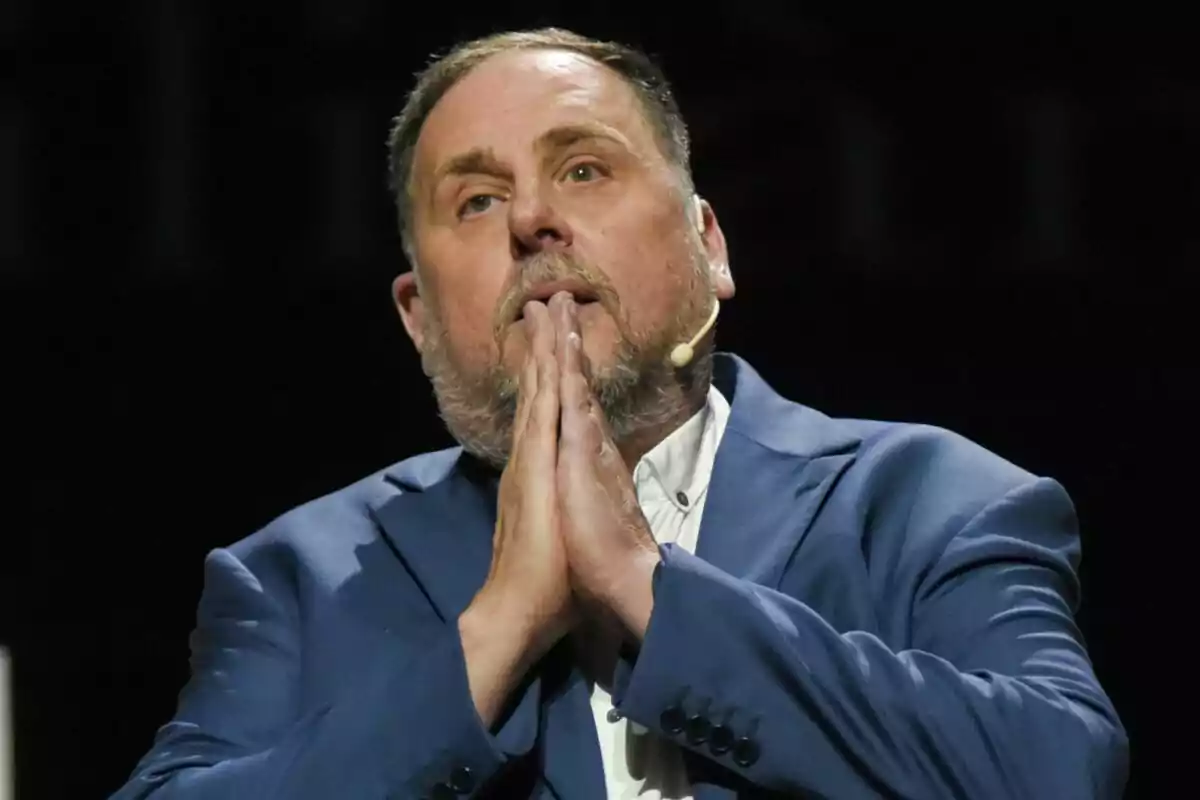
(681,464)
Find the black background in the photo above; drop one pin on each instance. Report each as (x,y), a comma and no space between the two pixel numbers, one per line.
(985,221)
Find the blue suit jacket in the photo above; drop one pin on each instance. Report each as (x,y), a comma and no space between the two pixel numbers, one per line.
(875,610)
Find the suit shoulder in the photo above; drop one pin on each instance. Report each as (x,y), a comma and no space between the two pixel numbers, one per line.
(927,474)
(342,519)
(933,451)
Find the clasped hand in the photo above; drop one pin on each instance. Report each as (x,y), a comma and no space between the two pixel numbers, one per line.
(570,538)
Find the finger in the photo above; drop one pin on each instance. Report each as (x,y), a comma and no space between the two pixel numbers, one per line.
(569,346)
(527,386)
(543,421)
(568,338)
(579,430)
(541,334)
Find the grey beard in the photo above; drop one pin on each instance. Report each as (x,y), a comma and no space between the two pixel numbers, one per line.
(640,391)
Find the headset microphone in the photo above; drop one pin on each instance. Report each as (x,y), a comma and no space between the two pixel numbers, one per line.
(682,355)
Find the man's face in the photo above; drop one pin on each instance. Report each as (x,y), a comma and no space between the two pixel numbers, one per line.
(539,168)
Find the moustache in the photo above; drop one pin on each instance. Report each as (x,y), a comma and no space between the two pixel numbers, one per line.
(544,270)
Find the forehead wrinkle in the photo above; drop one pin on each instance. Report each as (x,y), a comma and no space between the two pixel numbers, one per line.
(574,79)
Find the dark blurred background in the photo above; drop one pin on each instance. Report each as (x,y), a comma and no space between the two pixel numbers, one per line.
(980,220)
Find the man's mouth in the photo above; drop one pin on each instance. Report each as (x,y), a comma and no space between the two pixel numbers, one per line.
(580,292)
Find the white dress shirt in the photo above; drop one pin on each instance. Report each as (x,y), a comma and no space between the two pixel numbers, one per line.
(672,484)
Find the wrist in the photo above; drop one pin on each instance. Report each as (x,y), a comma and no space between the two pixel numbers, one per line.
(512,624)
(496,657)
(629,596)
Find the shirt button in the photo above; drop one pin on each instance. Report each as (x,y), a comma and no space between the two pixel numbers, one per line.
(682,498)
(613,715)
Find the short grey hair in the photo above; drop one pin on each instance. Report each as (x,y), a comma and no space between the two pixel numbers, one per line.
(636,68)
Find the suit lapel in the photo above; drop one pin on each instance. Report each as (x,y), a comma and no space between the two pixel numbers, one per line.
(760,505)
(442,533)
(774,467)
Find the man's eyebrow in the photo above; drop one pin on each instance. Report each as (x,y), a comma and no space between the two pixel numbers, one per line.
(564,136)
(477,161)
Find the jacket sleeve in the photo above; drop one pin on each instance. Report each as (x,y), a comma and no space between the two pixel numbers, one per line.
(995,699)
(238,734)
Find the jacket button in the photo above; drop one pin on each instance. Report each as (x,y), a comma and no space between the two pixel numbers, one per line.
(720,740)
(745,752)
(697,729)
(462,781)
(672,720)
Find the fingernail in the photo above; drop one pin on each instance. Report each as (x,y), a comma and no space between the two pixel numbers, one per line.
(574,339)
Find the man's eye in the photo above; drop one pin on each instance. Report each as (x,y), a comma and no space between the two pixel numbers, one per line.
(476,204)
(582,173)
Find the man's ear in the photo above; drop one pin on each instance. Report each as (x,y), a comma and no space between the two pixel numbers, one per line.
(407,297)
(714,248)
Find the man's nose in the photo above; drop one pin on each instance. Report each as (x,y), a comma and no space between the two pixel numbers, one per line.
(536,225)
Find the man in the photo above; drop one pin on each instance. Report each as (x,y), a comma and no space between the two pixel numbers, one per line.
(643,573)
